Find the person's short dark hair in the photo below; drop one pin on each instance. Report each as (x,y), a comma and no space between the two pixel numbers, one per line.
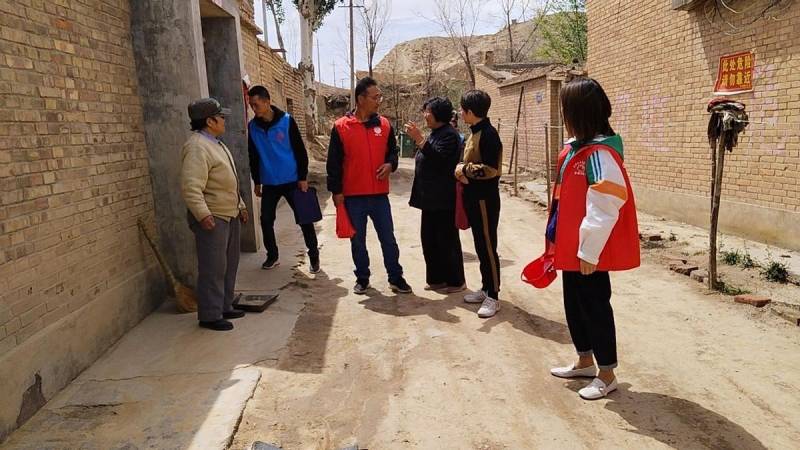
(259,91)
(441,108)
(364,84)
(477,101)
(586,109)
(198,125)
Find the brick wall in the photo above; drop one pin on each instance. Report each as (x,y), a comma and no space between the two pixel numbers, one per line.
(658,67)
(268,68)
(534,114)
(73,163)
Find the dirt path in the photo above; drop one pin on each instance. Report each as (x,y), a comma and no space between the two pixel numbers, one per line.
(423,371)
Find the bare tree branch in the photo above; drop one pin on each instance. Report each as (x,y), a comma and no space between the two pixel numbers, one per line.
(374,18)
(458,20)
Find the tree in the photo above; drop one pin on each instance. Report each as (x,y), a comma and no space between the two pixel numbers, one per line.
(279,15)
(521,10)
(564,33)
(374,18)
(312,13)
(458,20)
(428,67)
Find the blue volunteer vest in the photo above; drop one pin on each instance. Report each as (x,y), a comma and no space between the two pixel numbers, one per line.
(276,157)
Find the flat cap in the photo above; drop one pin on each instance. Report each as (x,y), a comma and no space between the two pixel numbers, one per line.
(205,108)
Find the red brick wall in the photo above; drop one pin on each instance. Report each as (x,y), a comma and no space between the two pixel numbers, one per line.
(534,114)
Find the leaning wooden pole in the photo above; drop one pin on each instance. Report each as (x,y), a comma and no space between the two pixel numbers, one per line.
(512,163)
(719,165)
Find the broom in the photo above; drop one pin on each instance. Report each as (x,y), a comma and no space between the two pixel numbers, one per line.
(184,297)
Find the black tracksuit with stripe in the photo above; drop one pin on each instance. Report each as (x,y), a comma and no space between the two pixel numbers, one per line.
(483,156)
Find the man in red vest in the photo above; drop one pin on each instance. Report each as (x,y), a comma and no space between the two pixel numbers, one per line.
(362,154)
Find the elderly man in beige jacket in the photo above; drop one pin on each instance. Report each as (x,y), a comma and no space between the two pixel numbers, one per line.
(210,188)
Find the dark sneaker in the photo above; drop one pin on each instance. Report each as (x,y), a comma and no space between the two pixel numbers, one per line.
(361,287)
(400,287)
(314,265)
(270,263)
(217,325)
(233,314)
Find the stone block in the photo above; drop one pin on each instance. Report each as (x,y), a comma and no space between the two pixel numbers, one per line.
(683,269)
(755,300)
(700,275)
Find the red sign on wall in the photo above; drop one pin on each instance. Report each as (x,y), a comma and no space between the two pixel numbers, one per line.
(735,74)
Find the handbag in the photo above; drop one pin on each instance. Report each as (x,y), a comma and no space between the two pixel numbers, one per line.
(344,228)
(462,222)
(306,206)
(540,272)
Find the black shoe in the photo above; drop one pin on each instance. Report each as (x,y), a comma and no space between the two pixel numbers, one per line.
(361,287)
(314,264)
(270,263)
(233,314)
(217,325)
(400,287)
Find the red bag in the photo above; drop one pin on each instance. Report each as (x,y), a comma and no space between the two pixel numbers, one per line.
(462,222)
(540,272)
(344,228)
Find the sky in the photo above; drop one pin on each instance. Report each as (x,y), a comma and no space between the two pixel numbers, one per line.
(409,19)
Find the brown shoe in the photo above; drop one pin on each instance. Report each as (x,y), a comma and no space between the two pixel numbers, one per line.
(435,286)
(454,289)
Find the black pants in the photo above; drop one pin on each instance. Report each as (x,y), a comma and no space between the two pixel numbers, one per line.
(441,246)
(270,196)
(484,215)
(587,303)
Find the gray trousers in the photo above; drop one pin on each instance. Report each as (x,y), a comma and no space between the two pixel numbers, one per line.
(217,263)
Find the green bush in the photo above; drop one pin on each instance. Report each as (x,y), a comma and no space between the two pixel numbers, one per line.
(731,258)
(776,271)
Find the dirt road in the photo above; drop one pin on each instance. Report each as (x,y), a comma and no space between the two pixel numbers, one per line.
(423,371)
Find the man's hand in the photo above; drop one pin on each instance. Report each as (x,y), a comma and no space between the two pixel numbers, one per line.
(257,190)
(463,180)
(414,132)
(207,223)
(302,185)
(384,170)
(338,199)
(587,268)
(243,216)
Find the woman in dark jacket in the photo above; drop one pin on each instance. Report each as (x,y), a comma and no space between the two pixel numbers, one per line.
(434,192)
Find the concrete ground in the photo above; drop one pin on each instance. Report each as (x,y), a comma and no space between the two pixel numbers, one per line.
(324,368)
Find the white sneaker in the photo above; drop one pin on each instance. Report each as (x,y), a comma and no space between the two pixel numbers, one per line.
(489,308)
(571,372)
(597,389)
(475,297)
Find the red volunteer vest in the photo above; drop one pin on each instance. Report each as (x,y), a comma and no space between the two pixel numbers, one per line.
(364,151)
(622,249)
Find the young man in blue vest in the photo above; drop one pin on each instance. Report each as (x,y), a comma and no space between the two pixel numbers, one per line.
(279,165)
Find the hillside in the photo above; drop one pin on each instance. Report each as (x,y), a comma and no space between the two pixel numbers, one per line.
(410,55)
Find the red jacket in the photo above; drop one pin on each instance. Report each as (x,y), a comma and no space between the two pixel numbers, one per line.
(364,147)
(622,248)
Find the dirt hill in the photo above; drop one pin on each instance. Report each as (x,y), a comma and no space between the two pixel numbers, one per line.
(410,55)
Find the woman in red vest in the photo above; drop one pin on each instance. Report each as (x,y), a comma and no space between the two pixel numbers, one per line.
(593,228)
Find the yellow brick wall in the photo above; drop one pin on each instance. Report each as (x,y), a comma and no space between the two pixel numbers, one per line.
(271,70)
(658,67)
(73,163)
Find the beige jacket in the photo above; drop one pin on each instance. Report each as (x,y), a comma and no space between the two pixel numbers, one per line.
(208,179)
